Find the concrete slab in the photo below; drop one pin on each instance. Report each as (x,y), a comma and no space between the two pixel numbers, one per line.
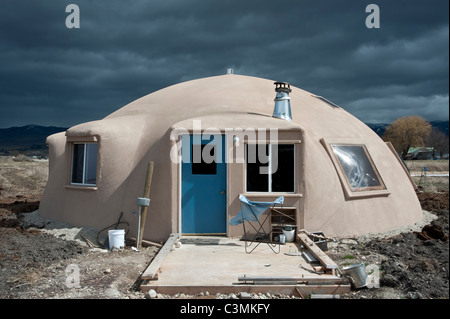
(213,261)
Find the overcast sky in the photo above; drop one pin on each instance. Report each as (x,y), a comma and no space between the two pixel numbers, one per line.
(125,49)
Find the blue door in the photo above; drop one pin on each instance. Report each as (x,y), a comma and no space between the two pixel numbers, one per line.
(203,184)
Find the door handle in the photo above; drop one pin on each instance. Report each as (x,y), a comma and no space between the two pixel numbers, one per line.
(223,192)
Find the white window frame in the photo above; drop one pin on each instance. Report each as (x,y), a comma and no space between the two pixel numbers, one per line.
(84,165)
(270,169)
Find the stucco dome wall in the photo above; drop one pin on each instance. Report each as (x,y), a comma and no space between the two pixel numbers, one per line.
(50,206)
(139,132)
(327,209)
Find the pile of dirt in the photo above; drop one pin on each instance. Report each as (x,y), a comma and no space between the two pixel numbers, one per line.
(23,253)
(35,256)
(413,264)
(35,263)
(10,209)
(433,202)
(418,268)
(19,206)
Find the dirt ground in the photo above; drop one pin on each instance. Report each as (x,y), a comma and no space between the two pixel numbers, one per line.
(44,259)
(413,264)
(39,259)
(41,263)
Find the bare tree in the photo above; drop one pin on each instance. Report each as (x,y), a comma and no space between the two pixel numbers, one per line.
(438,140)
(407,132)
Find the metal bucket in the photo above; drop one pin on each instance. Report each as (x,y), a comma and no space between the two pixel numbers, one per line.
(357,274)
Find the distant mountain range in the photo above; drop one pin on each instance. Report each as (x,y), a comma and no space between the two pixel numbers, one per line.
(380,128)
(30,139)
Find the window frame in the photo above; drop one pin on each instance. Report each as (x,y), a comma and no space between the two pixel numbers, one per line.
(362,192)
(382,186)
(84,164)
(269,165)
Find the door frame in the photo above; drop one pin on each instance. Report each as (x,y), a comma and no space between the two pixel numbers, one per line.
(180,181)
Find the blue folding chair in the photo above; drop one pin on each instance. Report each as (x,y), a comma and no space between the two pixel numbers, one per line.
(251,212)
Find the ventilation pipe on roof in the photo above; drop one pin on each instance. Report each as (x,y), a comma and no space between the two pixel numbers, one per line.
(282,108)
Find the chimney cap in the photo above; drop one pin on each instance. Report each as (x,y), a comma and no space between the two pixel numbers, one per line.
(282,87)
(282,108)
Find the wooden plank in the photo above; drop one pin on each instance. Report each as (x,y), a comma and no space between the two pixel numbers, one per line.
(215,289)
(153,268)
(323,258)
(324,296)
(283,214)
(302,290)
(318,268)
(90,244)
(299,293)
(145,243)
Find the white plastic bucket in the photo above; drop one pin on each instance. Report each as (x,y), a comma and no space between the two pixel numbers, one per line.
(289,234)
(116,239)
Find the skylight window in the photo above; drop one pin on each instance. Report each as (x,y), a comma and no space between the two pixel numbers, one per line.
(358,167)
(327,101)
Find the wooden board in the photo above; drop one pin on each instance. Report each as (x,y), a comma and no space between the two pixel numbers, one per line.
(146,243)
(303,290)
(323,258)
(152,270)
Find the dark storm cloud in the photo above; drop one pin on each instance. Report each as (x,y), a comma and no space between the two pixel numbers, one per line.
(51,75)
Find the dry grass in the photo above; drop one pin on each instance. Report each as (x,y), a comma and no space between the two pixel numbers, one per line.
(38,173)
(433,184)
(22,179)
(433,166)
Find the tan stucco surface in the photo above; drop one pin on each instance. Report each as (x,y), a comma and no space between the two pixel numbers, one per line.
(140,132)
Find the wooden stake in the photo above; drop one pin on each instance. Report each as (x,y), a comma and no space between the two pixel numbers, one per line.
(147,243)
(91,244)
(148,183)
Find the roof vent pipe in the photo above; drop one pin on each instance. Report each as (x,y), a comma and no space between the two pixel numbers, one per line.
(282,108)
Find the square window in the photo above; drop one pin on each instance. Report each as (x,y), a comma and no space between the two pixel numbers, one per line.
(84,164)
(270,168)
(283,177)
(256,180)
